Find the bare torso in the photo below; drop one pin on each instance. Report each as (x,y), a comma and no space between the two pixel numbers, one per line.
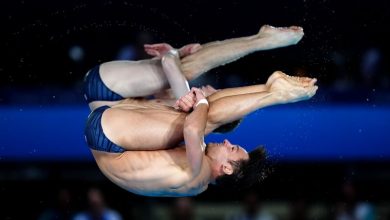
(153,173)
(155,162)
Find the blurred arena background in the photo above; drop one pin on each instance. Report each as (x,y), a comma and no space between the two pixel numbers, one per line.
(332,153)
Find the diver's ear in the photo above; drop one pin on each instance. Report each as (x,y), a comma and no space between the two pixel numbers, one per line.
(227,168)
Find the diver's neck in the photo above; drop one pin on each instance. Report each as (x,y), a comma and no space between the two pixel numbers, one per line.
(214,170)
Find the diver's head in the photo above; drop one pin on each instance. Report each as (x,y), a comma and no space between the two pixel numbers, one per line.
(224,155)
(235,167)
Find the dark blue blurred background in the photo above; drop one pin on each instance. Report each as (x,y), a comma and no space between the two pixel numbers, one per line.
(300,132)
(341,135)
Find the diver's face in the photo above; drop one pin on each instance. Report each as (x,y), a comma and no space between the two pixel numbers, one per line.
(226,151)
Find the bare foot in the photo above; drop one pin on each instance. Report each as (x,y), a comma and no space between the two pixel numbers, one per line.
(281,36)
(298,81)
(287,91)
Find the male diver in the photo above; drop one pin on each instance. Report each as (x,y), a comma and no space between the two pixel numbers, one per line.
(138,143)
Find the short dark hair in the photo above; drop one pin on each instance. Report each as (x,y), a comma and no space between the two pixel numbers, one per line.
(247,172)
(228,127)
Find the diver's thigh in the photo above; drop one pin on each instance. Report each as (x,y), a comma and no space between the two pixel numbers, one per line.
(133,79)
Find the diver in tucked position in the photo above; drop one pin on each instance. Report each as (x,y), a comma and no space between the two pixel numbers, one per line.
(138,143)
(149,77)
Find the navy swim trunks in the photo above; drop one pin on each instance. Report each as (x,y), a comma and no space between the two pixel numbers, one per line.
(94,135)
(96,90)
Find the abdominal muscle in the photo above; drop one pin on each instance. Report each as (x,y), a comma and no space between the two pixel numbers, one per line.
(152,173)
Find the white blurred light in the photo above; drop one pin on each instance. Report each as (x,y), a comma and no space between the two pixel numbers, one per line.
(76,53)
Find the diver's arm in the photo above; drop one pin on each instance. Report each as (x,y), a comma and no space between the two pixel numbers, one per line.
(171,66)
(193,131)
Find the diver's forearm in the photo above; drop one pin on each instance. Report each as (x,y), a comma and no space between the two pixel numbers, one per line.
(177,81)
(193,132)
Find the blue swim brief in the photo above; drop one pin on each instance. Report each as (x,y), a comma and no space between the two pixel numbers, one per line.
(94,135)
(96,90)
